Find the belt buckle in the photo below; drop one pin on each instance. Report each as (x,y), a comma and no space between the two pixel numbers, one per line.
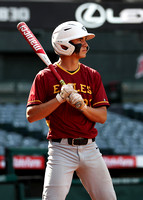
(73,142)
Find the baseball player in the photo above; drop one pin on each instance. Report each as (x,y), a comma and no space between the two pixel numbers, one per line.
(71,112)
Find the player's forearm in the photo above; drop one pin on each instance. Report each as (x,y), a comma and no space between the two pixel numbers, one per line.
(96,114)
(38,112)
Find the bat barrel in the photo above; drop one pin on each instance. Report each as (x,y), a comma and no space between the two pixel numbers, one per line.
(30,37)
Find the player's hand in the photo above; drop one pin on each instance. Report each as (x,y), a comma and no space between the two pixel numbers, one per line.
(66,90)
(76,100)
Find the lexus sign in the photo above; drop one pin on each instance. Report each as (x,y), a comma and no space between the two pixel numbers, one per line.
(93,15)
(103,16)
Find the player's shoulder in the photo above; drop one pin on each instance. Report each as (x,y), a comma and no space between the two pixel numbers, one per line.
(43,72)
(89,69)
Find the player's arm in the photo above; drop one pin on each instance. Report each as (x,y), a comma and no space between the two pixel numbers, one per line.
(38,112)
(94,114)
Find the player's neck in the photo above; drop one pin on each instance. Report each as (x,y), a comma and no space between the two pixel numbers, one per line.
(69,64)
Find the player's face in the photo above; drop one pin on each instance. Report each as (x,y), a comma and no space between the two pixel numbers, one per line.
(84,46)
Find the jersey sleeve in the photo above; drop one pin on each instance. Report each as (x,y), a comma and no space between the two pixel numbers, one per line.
(37,92)
(100,98)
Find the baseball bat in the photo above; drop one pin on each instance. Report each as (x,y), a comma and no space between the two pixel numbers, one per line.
(37,47)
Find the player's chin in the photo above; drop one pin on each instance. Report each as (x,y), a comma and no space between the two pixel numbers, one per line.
(83,55)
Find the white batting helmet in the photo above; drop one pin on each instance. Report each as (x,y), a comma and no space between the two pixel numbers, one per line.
(64,33)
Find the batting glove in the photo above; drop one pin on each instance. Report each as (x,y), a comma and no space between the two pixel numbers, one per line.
(66,90)
(76,100)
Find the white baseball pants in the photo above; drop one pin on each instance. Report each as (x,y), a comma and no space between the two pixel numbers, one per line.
(89,165)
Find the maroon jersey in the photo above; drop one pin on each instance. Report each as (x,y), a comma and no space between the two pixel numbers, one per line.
(66,121)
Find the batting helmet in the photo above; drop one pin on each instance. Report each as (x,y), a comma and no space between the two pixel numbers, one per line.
(64,33)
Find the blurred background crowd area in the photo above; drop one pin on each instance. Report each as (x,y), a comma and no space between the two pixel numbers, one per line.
(116,52)
(120,135)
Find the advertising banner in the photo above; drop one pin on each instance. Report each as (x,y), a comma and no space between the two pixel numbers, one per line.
(38,162)
(47,15)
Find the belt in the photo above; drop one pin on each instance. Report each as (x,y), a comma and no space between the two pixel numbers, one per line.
(74,141)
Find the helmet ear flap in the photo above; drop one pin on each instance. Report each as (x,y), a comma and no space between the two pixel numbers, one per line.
(66,48)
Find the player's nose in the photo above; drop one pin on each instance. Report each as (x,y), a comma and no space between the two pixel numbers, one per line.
(84,43)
